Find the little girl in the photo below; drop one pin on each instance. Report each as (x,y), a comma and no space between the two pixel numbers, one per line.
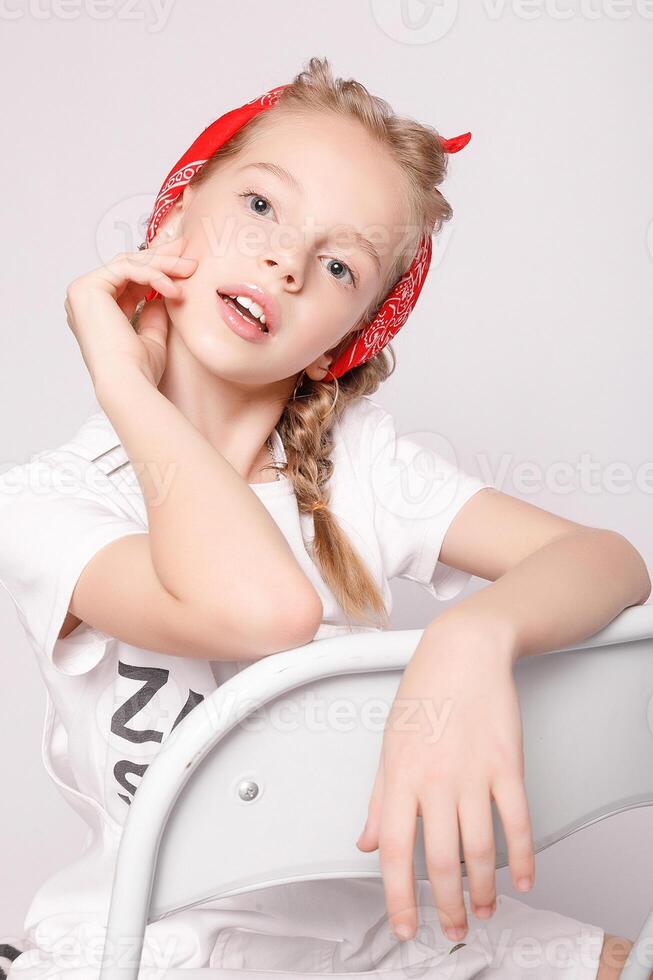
(239,493)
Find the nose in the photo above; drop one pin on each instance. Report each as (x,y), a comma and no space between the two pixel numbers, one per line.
(287,263)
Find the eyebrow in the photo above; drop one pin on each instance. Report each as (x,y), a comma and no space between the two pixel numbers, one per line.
(287,178)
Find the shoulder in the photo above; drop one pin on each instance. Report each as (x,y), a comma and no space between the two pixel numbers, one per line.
(94,442)
(55,483)
(362,409)
(58,508)
(368,433)
(91,442)
(361,419)
(364,446)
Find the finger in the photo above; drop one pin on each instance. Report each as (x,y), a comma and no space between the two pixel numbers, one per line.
(153,323)
(180,265)
(396,852)
(442,854)
(129,299)
(123,270)
(122,273)
(170,265)
(369,839)
(512,804)
(477,833)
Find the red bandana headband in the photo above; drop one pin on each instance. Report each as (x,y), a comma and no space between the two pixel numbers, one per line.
(401,298)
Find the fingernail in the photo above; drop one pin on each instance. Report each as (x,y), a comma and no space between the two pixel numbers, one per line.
(524,884)
(403,931)
(484,911)
(455,933)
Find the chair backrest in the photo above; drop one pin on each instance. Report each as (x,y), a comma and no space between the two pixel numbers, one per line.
(268,780)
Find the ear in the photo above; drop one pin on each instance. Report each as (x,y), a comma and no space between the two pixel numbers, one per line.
(317,371)
(172,225)
(186,198)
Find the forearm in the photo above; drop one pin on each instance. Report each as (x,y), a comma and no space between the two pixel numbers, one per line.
(211,538)
(563,592)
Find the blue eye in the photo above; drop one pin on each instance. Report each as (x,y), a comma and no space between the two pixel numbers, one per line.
(345,269)
(263,214)
(257,197)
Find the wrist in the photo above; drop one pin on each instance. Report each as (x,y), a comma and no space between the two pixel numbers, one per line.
(463,627)
(114,379)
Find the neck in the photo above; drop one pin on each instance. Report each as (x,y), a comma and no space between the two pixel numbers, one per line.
(235,419)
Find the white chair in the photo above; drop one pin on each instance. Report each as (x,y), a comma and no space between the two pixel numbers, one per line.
(587,722)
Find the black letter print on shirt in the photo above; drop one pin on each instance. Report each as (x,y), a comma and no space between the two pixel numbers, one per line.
(154,678)
(120,771)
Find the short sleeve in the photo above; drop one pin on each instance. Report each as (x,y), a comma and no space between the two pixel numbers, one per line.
(418,489)
(55,514)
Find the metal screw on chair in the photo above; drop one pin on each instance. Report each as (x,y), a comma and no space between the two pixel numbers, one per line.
(247,790)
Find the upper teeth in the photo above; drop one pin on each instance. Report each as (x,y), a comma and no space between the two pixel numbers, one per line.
(250,305)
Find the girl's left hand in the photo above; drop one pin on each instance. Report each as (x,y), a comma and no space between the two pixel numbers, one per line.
(452,742)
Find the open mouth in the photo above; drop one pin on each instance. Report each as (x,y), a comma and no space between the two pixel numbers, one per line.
(244,312)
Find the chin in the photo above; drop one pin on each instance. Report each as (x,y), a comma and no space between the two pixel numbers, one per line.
(212,344)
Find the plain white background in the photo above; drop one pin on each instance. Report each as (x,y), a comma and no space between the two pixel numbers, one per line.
(530,349)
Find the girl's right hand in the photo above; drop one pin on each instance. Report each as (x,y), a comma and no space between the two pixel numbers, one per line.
(100,303)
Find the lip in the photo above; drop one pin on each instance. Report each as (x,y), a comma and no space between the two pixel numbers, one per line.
(239,325)
(265,300)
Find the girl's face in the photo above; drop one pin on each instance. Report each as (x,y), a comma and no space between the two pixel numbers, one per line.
(312,214)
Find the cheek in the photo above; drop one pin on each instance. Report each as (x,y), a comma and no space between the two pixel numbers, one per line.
(340,317)
(197,303)
(209,234)
(325,329)
(200,288)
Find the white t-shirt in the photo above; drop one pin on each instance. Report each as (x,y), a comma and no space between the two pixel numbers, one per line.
(110,705)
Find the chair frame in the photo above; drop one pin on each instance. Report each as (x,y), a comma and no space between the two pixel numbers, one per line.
(562,720)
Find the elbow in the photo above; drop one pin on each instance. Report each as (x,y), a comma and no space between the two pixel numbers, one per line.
(297,626)
(644,578)
(641,576)
(258,628)
(646,585)
(290,624)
